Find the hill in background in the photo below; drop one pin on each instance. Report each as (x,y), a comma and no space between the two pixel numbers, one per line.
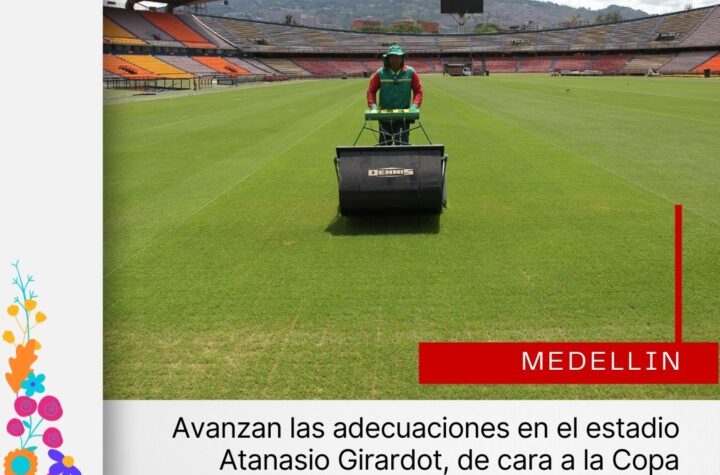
(341,13)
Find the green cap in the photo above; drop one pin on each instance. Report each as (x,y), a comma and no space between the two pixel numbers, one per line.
(394,50)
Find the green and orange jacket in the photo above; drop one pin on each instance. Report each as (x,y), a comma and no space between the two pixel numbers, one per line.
(395,88)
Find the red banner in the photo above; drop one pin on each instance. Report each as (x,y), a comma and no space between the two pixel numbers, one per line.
(568,363)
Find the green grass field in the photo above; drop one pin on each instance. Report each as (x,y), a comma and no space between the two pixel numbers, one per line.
(228,273)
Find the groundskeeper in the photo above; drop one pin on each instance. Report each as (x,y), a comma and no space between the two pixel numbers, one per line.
(396,82)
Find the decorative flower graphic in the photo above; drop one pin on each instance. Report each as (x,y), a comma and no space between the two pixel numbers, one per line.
(21,462)
(33,384)
(22,377)
(65,464)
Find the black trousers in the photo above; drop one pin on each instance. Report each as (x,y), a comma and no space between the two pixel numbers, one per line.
(395,132)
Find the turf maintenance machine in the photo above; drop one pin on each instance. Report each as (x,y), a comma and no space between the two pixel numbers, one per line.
(400,178)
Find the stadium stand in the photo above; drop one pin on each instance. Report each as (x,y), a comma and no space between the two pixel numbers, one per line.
(609,64)
(501,65)
(642,63)
(572,63)
(454,43)
(286,67)
(321,40)
(241,34)
(165,46)
(486,43)
(355,42)
(591,38)
(713,64)
(119,67)
(350,66)
(535,65)
(705,33)
(555,40)
(156,66)
(686,61)
(253,67)
(318,66)
(674,28)
(187,64)
(221,65)
(420,43)
(171,25)
(114,33)
(633,34)
(140,27)
(521,42)
(200,28)
(109,75)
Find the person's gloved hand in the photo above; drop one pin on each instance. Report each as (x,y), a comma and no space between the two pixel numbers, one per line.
(373,107)
(414,108)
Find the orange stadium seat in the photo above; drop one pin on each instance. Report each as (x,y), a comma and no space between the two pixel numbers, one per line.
(713,64)
(118,35)
(177,29)
(119,67)
(221,65)
(156,66)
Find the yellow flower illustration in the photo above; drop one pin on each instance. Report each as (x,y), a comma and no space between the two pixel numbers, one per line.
(30,305)
(12,310)
(9,336)
(40,317)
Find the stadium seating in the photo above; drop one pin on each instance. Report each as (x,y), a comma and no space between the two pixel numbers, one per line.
(170,24)
(318,66)
(141,28)
(557,40)
(240,33)
(109,75)
(253,67)
(355,42)
(591,38)
(285,66)
(520,42)
(686,61)
(424,64)
(119,67)
(535,65)
(114,33)
(609,64)
(678,25)
(321,40)
(713,64)
(204,31)
(350,66)
(633,34)
(688,40)
(454,43)
(641,63)
(156,66)
(707,32)
(256,66)
(501,65)
(420,43)
(572,63)
(187,64)
(221,65)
